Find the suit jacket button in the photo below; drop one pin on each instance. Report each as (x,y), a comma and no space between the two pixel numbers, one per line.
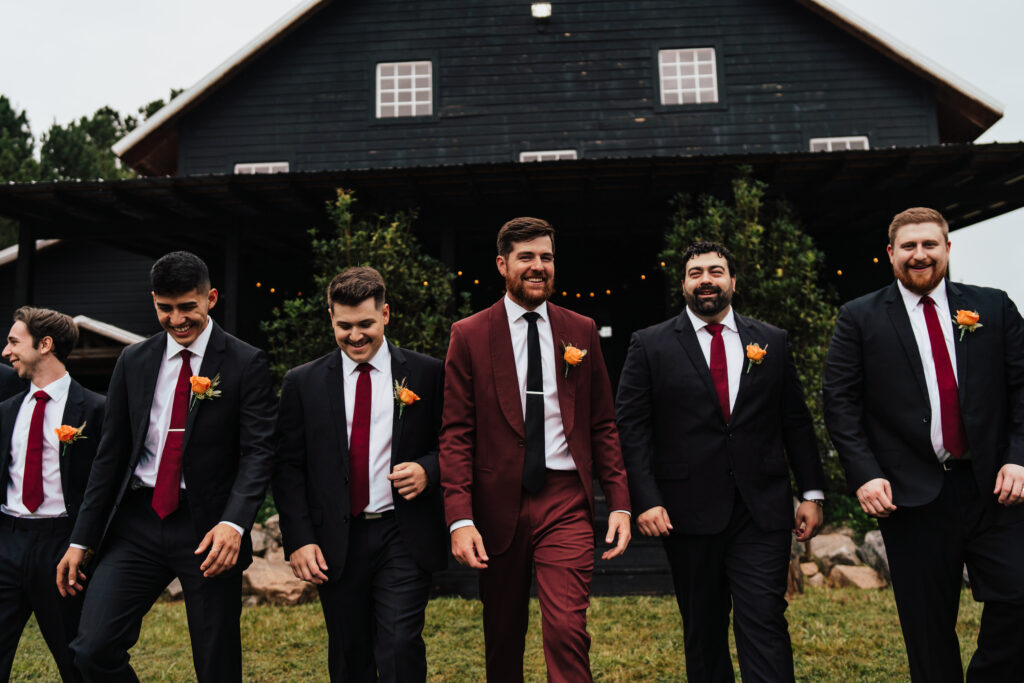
(924,419)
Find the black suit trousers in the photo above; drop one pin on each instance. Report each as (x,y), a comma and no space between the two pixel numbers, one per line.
(29,553)
(927,547)
(374,612)
(745,568)
(141,555)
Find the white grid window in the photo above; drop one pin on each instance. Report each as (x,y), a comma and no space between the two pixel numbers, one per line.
(261,167)
(404,89)
(548,155)
(839,144)
(688,76)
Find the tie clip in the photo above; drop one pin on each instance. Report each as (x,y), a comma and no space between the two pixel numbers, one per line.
(175,430)
(539,393)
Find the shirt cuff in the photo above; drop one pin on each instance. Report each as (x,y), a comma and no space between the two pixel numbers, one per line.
(459,523)
(814,494)
(240,530)
(80,547)
(625,512)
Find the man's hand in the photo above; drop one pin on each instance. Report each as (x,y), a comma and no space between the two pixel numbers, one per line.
(1010,484)
(223,543)
(876,497)
(409,479)
(618,525)
(808,519)
(468,547)
(308,564)
(654,522)
(70,579)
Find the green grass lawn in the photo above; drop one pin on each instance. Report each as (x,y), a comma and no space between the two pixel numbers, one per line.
(838,635)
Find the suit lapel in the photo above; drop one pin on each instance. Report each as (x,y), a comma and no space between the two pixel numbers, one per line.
(566,386)
(687,338)
(142,396)
(748,335)
(210,367)
(9,417)
(897,312)
(334,385)
(73,413)
(961,350)
(399,371)
(503,368)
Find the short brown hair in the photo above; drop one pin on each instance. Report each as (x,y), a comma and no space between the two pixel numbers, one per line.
(523,229)
(43,322)
(914,215)
(353,286)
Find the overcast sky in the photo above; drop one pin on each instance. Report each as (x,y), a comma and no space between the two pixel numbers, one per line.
(61,59)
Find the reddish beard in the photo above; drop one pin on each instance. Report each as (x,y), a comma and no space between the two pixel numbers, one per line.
(517,289)
(916,284)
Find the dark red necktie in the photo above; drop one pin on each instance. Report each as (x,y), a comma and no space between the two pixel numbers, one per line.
(168,476)
(954,436)
(32,485)
(359,444)
(719,368)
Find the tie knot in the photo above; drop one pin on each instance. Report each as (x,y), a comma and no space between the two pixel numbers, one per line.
(364,368)
(715,329)
(927,301)
(185,353)
(41,396)
(531,317)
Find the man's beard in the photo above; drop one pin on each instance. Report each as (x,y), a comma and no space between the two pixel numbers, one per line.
(517,289)
(707,307)
(918,286)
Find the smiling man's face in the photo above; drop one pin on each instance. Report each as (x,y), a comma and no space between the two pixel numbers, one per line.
(919,254)
(359,330)
(184,316)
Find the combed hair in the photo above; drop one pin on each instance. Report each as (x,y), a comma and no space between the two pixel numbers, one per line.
(353,286)
(44,322)
(914,215)
(179,272)
(698,248)
(523,229)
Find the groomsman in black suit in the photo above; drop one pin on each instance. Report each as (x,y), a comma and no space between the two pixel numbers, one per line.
(48,436)
(182,468)
(357,485)
(924,399)
(707,421)
(9,382)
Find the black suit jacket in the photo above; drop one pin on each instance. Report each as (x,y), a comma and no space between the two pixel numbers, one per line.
(10,383)
(311,477)
(876,402)
(227,455)
(679,451)
(81,406)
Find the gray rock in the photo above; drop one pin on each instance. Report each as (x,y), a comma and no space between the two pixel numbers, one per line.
(872,553)
(272,525)
(174,591)
(260,540)
(273,583)
(828,550)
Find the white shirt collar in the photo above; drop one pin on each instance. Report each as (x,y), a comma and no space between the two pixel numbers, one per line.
(197,348)
(380,360)
(56,390)
(729,321)
(912,299)
(515,311)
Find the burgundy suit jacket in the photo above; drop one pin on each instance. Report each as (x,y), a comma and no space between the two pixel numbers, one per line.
(483,437)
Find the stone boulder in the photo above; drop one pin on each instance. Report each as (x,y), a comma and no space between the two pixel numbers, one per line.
(818,580)
(809,568)
(872,553)
(174,591)
(273,583)
(828,550)
(272,526)
(861,577)
(260,540)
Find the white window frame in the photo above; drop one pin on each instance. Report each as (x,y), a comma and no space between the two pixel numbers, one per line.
(688,76)
(401,95)
(261,167)
(839,144)
(548,155)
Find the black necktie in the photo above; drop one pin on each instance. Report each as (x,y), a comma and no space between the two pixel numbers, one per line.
(533,463)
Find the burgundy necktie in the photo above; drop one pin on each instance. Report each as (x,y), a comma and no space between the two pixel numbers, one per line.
(32,486)
(359,444)
(168,476)
(954,436)
(719,368)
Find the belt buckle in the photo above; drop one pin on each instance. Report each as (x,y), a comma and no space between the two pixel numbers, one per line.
(372,515)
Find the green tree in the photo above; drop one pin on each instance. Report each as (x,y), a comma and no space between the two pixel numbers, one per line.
(17,163)
(420,288)
(777,280)
(81,149)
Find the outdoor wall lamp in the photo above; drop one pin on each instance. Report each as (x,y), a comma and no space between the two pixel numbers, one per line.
(540,10)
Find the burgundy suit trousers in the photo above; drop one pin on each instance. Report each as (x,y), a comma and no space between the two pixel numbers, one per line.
(555,532)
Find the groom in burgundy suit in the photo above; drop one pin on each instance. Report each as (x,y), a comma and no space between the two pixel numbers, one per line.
(527,426)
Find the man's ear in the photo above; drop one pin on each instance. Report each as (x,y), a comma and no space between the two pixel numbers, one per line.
(45,345)
(212,297)
(500,261)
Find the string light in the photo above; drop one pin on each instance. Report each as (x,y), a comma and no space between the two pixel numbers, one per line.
(565,293)
(259,284)
(578,295)
(607,291)
(476,282)
(662,264)
(591,295)
(874,260)
(425,283)
(272,290)
(643,277)
(460,273)
(839,272)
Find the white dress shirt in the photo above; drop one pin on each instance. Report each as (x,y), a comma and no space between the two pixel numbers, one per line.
(53,492)
(915,309)
(735,358)
(382,413)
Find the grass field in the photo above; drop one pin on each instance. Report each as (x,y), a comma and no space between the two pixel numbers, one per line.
(838,635)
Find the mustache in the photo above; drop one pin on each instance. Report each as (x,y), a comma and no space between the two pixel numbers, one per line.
(711,289)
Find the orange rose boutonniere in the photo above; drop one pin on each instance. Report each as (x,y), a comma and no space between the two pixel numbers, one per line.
(755,355)
(967,321)
(203,389)
(68,435)
(404,396)
(572,356)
